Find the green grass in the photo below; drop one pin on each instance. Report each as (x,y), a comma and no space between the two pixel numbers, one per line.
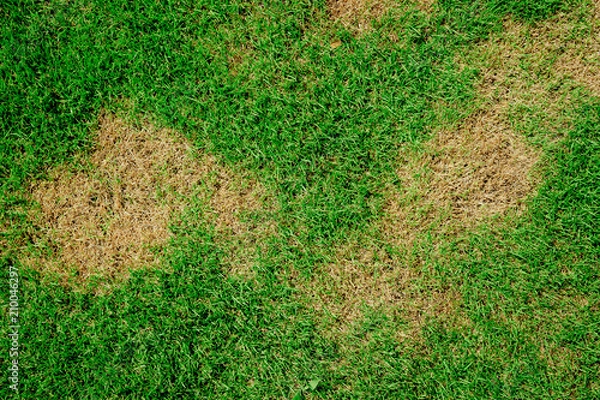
(258,85)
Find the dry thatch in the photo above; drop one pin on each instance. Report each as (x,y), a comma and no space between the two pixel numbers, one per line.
(365,275)
(460,178)
(358,14)
(104,218)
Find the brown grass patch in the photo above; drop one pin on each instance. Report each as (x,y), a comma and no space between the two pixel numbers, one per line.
(567,48)
(243,215)
(238,55)
(482,168)
(358,14)
(362,275)
(467,174)
(460,178)
(103,216)
(577,49)
(540,65)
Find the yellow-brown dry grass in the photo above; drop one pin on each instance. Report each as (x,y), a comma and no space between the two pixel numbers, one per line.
(243,216)
(105,214)
(467,174)
(460,178)
(541,65)
(482,168)
(569,47)
(358,14)
(363,276)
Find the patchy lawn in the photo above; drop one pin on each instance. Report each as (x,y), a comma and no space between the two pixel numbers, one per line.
(329,199)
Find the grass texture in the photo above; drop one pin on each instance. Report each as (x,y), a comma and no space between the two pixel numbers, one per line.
(266,88)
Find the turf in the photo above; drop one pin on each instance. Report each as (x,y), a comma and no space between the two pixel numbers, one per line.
(260,86)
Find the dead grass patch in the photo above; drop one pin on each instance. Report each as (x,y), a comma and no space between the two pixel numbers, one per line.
(568,48)
(464,175)
(482,168)
(242,213)
(104,215)
(460,178)
(577,50)
(467,174)
(540,65)
(364,275)
(358,14)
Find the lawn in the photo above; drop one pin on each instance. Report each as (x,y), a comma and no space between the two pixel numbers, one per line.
(300,199)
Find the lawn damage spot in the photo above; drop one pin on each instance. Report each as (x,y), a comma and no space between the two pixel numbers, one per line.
(479,171)
(109,212)
(569,47)
(535,72)
(242,212)
(460,178)
(464,176)
(364,276)
(484,166)
(358,14)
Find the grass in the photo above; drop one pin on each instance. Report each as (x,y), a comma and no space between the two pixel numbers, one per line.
(335,305)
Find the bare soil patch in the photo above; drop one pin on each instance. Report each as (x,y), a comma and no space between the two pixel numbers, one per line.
(106,214)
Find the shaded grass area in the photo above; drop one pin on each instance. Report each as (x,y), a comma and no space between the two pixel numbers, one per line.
(260,86)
